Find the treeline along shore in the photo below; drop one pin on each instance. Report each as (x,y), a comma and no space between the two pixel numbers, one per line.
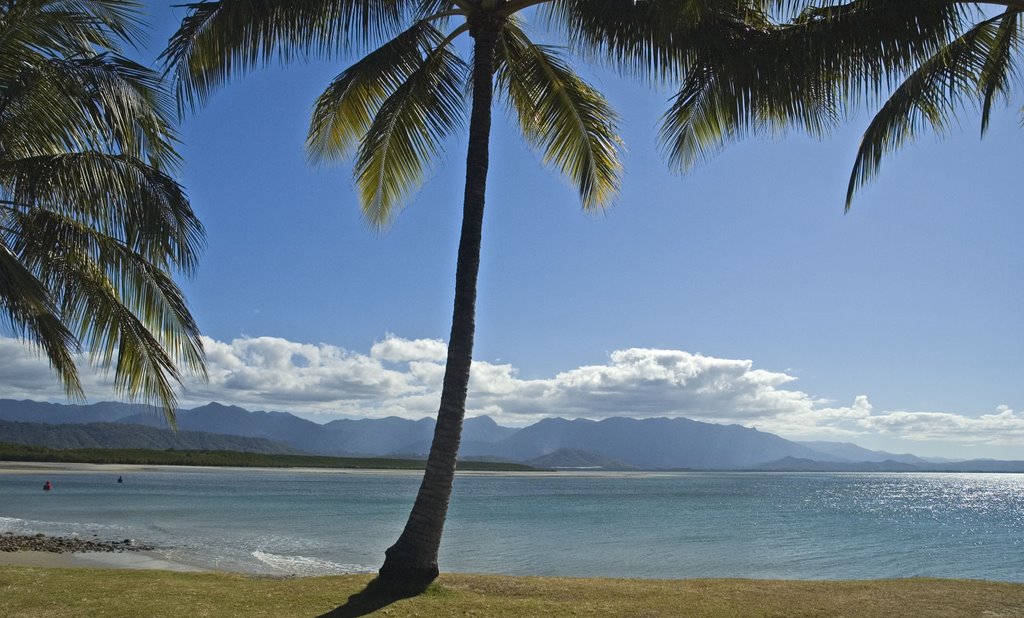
(22,453)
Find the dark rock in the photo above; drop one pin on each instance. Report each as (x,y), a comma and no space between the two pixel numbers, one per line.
(63,545)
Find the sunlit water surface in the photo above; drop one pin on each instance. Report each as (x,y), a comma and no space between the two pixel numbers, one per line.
(623,525)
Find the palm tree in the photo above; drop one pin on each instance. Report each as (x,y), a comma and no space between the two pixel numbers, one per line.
(925,60)
(394,108)
(92,224)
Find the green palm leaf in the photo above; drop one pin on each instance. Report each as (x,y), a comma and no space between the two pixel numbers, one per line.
(94,103)
(407,133)
(999,66)
(344,112)
(127,311)
(117,195)
(225,37)
(744,74)
(641,38)
(727,95)
(33,29)
(925,99)
(28,308)
(561,115)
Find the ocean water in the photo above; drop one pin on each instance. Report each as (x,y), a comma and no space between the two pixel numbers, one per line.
(649,525)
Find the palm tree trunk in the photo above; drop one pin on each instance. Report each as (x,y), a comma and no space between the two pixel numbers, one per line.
(413,558)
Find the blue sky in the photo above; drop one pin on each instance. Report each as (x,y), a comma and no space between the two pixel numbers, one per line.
(908,307)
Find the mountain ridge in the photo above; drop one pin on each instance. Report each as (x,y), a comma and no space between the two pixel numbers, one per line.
(614,443)
(120,436)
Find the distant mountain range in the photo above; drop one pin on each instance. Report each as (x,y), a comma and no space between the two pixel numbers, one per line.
(849,451)
(613,443)
(121,436)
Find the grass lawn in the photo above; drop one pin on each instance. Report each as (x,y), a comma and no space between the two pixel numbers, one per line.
(44,593)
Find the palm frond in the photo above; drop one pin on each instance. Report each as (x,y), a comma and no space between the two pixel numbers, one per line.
(638,37)
(127,312)
(407,132)
(566,119)
(429,8)
(701,119)
(117,195)
(221,38)
(866,47)
(31,29)
(744,75)
(739,83)
(999,67)
(345,110)
(925,99)
(29,310)
(100,102)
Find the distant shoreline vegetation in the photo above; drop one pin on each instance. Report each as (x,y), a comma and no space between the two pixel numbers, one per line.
(170,457)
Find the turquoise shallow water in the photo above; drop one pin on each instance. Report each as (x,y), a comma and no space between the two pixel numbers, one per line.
(622,525)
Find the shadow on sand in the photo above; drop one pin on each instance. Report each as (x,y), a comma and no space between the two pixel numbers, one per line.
(376,595)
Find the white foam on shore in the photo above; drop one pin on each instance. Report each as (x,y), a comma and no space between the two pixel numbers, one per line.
(302,565)
(16,525)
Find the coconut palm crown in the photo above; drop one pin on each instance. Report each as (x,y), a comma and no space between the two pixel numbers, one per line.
(92,223)
(393,110)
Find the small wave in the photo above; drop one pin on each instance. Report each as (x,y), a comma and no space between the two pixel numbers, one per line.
(302,565)
(16,524)
(8,524)
(24,526)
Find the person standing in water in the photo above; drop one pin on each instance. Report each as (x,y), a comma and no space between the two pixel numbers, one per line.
(47,486)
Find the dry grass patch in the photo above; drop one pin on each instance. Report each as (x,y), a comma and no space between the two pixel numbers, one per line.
(60,593)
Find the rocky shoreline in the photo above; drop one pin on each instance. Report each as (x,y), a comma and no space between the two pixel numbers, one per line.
(65,545)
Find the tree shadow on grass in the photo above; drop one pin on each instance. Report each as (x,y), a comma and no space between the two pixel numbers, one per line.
(376,595)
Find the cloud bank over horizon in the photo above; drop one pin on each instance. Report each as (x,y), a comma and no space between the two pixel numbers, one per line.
(402,377)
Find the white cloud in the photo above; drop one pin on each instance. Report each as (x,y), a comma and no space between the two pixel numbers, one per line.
(403,377)
(274,372)
(25,374)
(1005,427)
(398,350)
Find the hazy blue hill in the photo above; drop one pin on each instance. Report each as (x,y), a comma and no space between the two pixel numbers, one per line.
(792,464)
(485,429)
(232,420)
(979,465)
(479,434)
(372,437)
(567,458)
(40,412)
(851,452)
(796,464)
(656,443)
(378,435)
(121,436)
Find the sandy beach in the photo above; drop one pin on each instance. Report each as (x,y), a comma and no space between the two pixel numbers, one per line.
(42,551)
(41,467)
(93,560)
